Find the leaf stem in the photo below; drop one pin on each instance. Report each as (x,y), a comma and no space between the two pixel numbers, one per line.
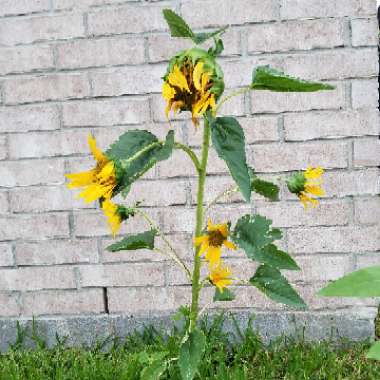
(172,254)
(231,190)
(228,97)
(190,153)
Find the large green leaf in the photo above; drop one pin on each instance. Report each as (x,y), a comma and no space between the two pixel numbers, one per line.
(229,142)
(266,78)
(136,152)
(276,258)
(374,352)
(191,353)
(154,370)
(179,28)
(271,282)
(253,232)
(144,240)
(226,295)
(362,283)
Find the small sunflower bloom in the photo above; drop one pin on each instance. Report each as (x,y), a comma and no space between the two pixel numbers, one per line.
(307,186)
(193,83)
(99,182)
(212,242)
(221,277)
(114,218)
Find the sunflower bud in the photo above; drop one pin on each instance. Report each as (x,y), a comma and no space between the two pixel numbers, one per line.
(296,183)
(194,82)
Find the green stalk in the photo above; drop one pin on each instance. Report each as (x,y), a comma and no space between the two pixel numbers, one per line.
(202,172)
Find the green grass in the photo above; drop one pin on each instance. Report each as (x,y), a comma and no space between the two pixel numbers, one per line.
(226,358)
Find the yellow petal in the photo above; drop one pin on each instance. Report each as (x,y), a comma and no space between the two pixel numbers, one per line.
(176,78)
(197,74)
(315,173)
(80,179)
(96,152)
(314,190)
(205,80)
(200,239)
(230,245)
(168,92)
(213,256)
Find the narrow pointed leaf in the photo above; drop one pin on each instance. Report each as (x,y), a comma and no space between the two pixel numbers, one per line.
(267,189)
(177,25)
(229,142)
(154,370)
(362,283)
(200,38)
(226,295)
(144,240)
(374,352)
(271,282)
(191,354)
(266,78)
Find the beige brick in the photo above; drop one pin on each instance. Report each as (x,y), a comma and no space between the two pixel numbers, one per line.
(34,227)
(162,47)
(298,156)
(24,30)
(132,274)
(91,224)
(274,102)
(365,32)
(127,19)
(49,87)
(25,279)
(228,213)
(359,182)
(3,147)
(6,255)
(105,112)
(74,4)
(31,172)
(144,300)
(103,52)
(56,252)
(293,9)
(297,35)
(49,144)
(367,152)
(293,214)
(21,7)
(337,65)
(29,118)
(367,260)
(53,199)
(367,211)
(53,302)
(4,207)
(179,165)
(10,305)
(201,13)
(365,93)
(130,80)
(25,59)
(179,219)
(331,124)
(332,239)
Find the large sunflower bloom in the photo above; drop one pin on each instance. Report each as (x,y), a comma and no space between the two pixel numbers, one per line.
(212,242)
(98,182)
(114,219)
(221,277)
(189,88)
(307,186)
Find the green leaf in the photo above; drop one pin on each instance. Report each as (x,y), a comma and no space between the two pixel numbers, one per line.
(362,283)
(226,295)
(144,240)
(154,370)
(191,353)
(229,142)
(177,25)
(218,48)
(271,282)
(253,232)
(200,38)
(267,189)
(276,258)
(374,352)
(266,78)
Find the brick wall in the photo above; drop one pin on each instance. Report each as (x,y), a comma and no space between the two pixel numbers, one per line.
(68,67)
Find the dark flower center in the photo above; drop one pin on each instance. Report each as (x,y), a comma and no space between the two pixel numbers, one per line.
(216,238)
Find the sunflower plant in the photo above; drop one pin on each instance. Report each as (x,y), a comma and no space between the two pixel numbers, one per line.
(194,83)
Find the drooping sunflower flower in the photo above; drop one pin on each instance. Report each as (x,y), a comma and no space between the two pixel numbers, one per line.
(99,182)
(114,219)
(221,277)
(193,83)
(212,242)
(307,186)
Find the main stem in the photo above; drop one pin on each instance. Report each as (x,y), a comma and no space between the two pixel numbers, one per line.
(199,224)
